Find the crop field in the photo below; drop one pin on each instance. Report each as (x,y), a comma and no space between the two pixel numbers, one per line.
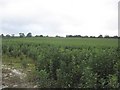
(72,42)
(52,62)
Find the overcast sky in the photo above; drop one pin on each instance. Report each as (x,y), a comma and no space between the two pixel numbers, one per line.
(59,17)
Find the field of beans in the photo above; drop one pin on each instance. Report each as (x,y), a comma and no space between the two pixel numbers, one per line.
(66,62)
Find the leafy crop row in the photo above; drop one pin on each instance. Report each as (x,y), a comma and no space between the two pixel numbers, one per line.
(73,67)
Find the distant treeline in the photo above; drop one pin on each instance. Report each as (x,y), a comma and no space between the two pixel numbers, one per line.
(100,36)
(67,36)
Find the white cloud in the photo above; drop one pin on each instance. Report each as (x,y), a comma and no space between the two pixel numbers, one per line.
(59,17)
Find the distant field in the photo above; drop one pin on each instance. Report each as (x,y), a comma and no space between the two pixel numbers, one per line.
(74,42)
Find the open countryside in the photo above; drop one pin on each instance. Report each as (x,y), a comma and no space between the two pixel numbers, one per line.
(61,62)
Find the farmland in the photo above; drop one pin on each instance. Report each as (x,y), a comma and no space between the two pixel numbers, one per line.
(65,62)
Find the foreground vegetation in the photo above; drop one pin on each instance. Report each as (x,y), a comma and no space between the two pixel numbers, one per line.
(67,62)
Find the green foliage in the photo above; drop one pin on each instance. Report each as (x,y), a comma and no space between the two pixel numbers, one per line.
(68,62)
(113,81)
(29,35)
(43,78)
(24,63)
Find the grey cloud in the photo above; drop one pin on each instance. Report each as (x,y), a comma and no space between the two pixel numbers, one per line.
(16,25)
(53,18)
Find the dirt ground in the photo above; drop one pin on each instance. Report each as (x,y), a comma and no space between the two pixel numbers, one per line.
(13,78)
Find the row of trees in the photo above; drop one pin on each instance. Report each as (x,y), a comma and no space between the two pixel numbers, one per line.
(22,35)
(100,36)
(30,35)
